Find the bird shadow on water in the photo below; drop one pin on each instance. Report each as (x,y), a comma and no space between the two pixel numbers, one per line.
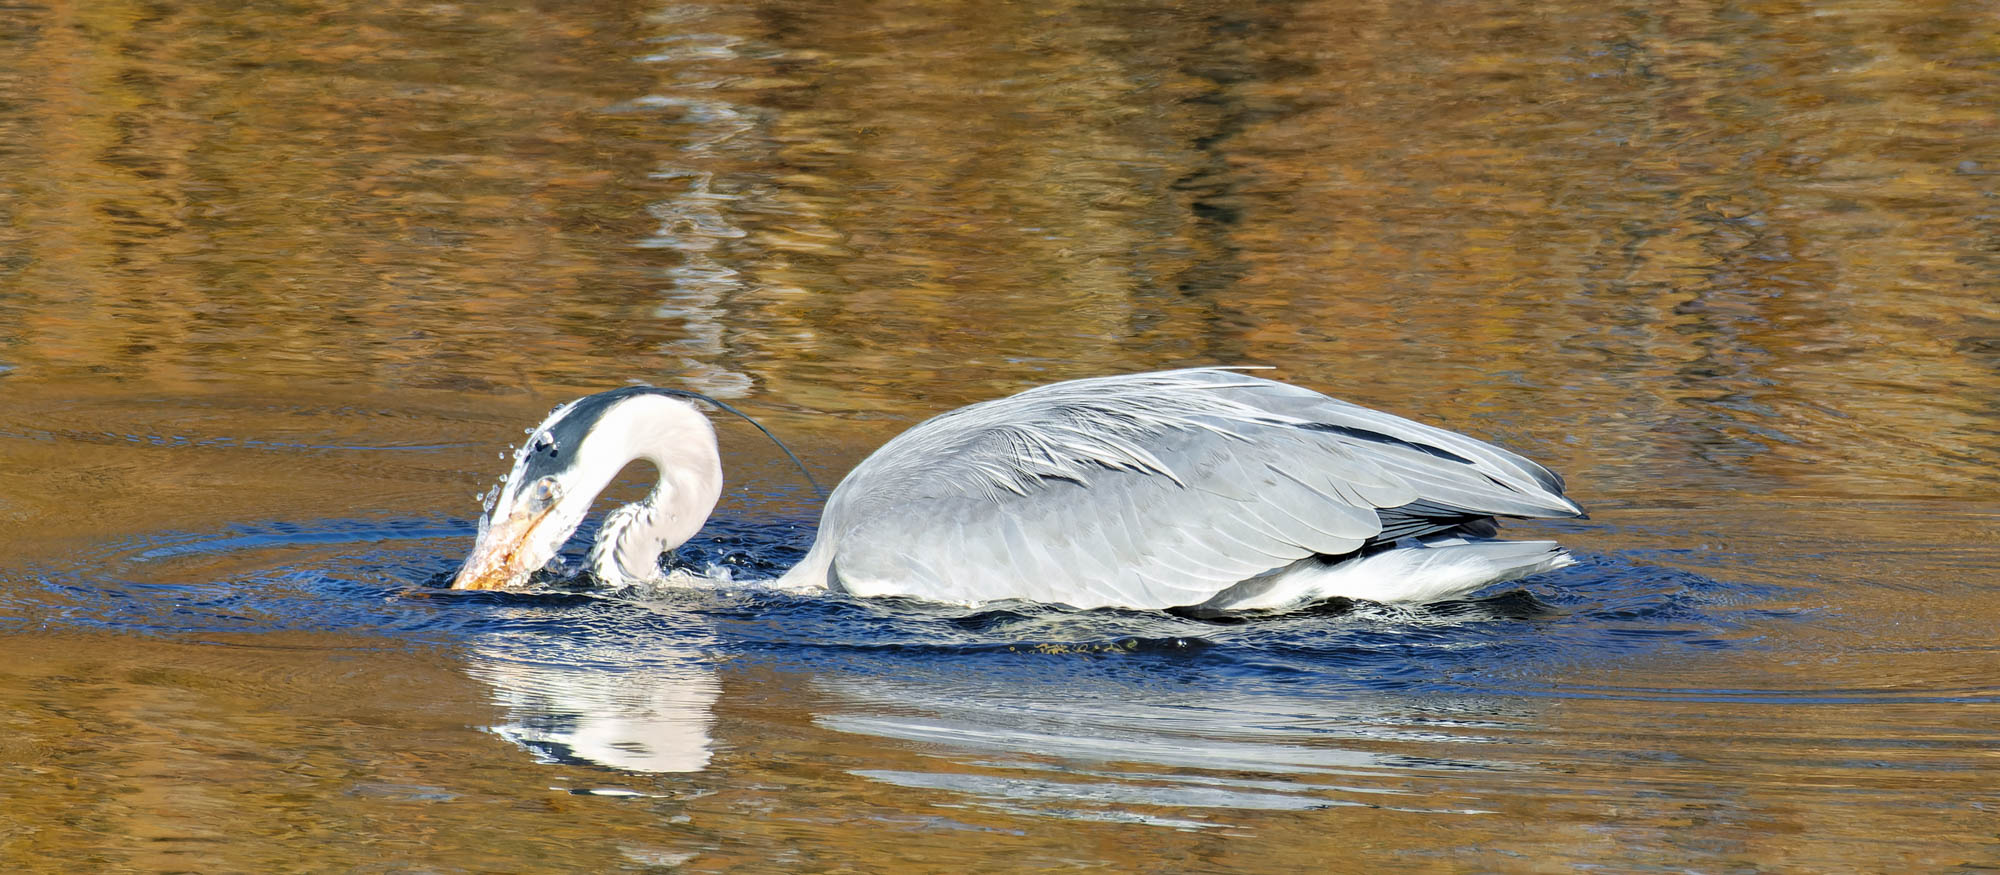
(1153,717)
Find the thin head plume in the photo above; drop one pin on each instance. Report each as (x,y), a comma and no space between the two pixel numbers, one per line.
(697,396)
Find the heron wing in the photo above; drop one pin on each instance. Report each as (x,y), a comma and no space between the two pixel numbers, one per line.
(1153,491)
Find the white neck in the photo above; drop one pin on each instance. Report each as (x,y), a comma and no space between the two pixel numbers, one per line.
(680,442)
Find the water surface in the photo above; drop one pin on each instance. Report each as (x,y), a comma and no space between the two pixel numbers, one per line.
(280,286)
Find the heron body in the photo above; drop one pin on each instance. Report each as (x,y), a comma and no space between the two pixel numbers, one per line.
(1207,489)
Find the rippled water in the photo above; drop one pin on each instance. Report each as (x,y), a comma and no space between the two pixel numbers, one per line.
(279,287)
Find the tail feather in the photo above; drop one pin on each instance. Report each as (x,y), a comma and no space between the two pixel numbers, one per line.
(1433,570)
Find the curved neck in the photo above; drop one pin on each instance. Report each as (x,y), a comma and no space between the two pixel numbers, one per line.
(680,443)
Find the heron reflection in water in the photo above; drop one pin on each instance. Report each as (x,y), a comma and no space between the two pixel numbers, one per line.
(650,710)
(1206,490)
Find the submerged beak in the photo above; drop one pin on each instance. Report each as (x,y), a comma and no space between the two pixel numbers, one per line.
(508,546)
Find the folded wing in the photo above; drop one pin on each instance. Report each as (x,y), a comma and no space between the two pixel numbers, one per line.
(1154,491)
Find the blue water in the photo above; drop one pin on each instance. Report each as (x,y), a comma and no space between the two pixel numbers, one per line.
(386,578)
(1122,716)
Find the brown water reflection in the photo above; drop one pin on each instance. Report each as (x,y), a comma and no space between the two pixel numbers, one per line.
(276,283)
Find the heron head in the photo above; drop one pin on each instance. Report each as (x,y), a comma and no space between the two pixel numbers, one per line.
(570,458)
(536,509)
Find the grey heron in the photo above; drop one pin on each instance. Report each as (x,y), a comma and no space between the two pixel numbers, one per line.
(1206,489)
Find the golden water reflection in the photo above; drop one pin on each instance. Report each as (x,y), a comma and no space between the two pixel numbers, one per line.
(1756,245)
(1731,268)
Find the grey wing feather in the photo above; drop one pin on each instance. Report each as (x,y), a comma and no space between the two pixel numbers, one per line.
(1154,491)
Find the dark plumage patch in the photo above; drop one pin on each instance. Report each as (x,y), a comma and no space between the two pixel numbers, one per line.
(1420,518)
(1380,438)
(555,448)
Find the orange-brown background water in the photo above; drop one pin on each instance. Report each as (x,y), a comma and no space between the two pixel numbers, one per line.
(277,283)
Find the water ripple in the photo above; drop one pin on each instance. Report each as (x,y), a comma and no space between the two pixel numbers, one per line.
(1126,716)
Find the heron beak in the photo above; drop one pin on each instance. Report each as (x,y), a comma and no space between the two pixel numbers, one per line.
(502,556)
